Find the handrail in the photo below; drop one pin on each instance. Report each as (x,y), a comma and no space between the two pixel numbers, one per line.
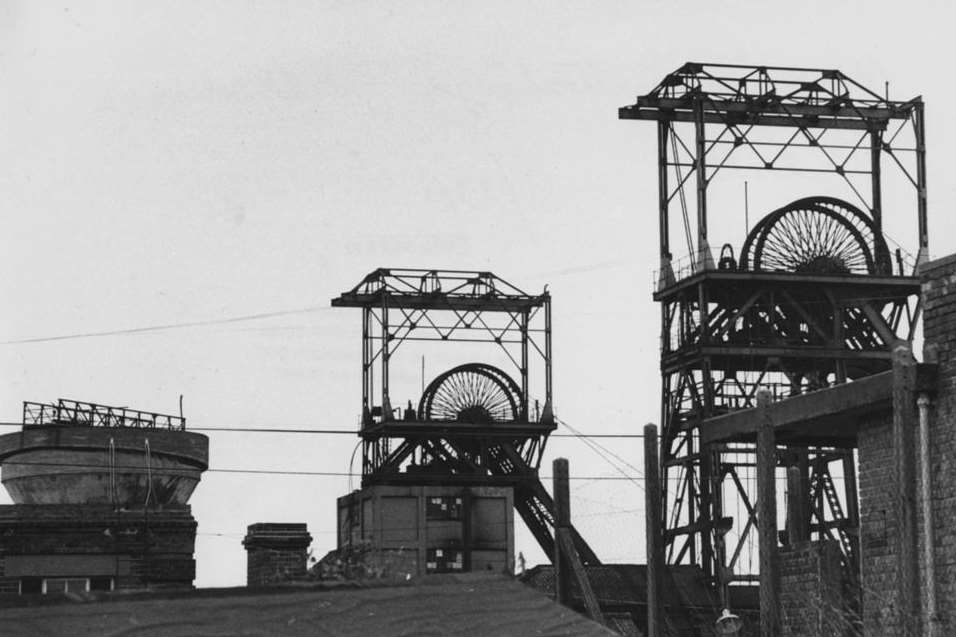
(84,414)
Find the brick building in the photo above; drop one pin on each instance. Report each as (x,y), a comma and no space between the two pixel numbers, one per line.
(100,500)
(415,530)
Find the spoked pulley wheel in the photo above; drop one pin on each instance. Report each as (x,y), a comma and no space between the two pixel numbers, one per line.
(474,393)
(816,235)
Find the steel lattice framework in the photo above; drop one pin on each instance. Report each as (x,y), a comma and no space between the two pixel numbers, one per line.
(474,424)
(816,298)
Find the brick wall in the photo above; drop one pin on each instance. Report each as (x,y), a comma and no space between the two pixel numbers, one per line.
(939,332)
(135,550)
(878,528)
(884,497)
(273,566)
(813,593)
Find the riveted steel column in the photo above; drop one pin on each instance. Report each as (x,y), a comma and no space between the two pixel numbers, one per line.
(663,129)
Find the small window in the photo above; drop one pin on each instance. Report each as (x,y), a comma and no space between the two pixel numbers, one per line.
(443,508)
(31,586)
(444,561)
(52,585)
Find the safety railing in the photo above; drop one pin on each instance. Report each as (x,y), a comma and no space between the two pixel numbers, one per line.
(83,414)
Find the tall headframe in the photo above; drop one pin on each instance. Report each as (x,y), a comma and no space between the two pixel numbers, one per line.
(813,296)
(473,424)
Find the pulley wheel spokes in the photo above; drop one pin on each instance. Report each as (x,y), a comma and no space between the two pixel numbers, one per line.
(474,393)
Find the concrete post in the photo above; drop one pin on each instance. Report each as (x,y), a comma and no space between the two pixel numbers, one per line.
(652,516)
(904,425)
(767,519)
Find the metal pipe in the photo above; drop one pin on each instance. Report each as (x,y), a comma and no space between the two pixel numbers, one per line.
(929,571)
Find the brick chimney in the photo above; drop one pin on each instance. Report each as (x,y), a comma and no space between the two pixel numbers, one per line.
(276,553)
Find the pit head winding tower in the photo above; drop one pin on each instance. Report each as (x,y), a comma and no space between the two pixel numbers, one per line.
(476,430)
(812,294)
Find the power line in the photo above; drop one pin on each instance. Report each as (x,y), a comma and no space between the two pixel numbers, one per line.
(279,472)
(290,472)
(169,326)
(605,449)
(603,453)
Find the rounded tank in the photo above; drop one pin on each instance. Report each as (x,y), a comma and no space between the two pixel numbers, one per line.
(126,467)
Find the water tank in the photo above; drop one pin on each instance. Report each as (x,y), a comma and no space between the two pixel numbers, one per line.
(83,453)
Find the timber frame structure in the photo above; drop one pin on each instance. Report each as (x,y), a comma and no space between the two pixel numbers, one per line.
(424,447)
(729,328)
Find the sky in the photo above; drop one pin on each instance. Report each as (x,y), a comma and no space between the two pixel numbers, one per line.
(189,162)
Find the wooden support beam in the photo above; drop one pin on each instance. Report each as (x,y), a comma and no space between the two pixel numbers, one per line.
(562,519)
(573,561)
(567,562)
(653,531)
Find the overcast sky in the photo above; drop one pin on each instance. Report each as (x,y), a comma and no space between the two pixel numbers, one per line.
(181,162)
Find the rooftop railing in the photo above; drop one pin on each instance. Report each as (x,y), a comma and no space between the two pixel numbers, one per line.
(82,414)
